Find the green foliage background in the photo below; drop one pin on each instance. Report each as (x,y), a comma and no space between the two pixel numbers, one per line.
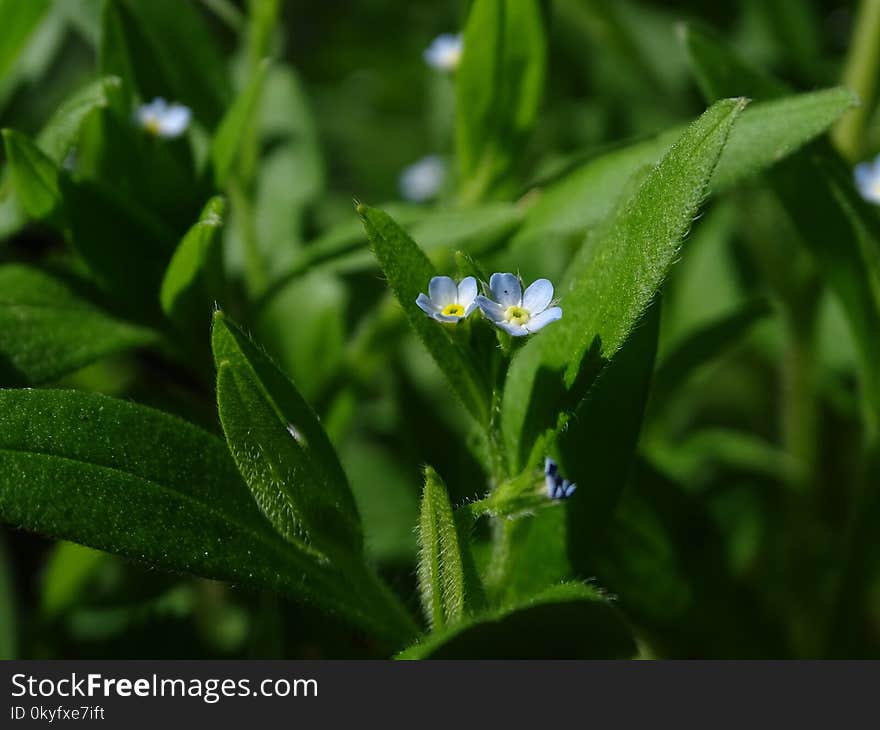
(226,430)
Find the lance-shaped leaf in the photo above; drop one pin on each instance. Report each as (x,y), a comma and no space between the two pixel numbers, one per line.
(408,271)
(765,133)
(441,568)
(498,90)
(127,479)
(194,268)
(612,282)
(568,621)
(280,447)
(48,328)
(237,125)
(34,175)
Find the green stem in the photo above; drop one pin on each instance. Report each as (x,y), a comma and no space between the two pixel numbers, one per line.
(860,75)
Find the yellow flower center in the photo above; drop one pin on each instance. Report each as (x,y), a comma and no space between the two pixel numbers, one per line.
(453,310)
(517,315)
(152,126)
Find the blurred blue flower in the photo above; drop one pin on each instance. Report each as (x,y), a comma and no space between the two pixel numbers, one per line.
(557,487)
(162,119)
(444,53)
(448,302)
(516,312)
(867,176)
(422,180)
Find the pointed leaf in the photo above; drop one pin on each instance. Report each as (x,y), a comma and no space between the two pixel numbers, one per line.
(186,288)
(280,447)
(130,480)
(441,571)
(613,281)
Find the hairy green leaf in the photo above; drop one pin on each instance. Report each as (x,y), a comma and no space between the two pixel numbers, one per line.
(612,282)
(48,328)
(499,84)
(134,481)
(280,447)
(567,621)
(441,570)
(408,271)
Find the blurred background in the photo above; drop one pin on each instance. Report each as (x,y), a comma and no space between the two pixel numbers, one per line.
(763,436)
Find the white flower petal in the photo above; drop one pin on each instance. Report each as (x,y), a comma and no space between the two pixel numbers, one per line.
(517,330)
(443,291)
(492,310)
(536,298)
(543,319)
(175,120)
(864,174)
(425,305)
(467,291)
(470,308)
(444,52)
(506,289)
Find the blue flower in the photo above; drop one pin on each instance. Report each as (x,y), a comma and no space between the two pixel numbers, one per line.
(162,119)
(444,53)
(422,180)
(867,175)
(516,312)
(448,302)
(557,487)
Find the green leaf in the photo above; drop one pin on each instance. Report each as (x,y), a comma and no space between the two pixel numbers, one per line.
(765,133)
(20,19)
(612,282)
(237,125)
(408,271)
(499,84)
(164,48)
(193,272)
(568,621)
(441,569)
(126,479)
(34,175)
(281,448)
(49,329)
(772,130)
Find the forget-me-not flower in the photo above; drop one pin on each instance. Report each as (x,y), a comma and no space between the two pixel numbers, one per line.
(519,312)
(444,53)
(557,487)
(162,119)
(867,176)
(422,180)
(448,302)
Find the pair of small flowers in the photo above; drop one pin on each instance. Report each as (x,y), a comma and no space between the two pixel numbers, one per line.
(511,309)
